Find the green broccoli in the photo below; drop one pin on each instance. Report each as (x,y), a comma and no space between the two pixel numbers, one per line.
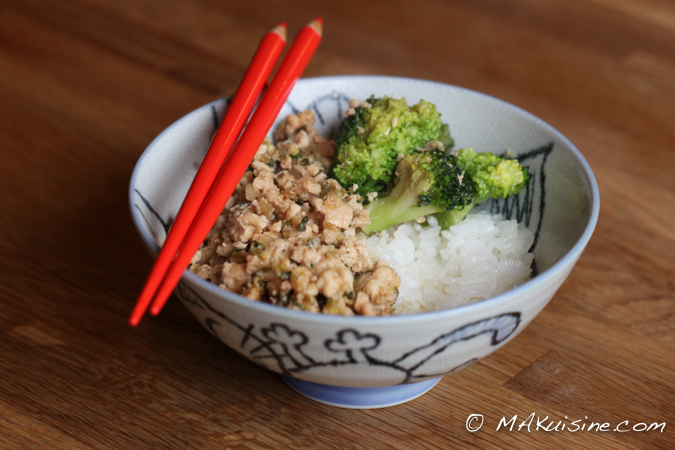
(445,138)
(370,140)
(427,182)
(493,177)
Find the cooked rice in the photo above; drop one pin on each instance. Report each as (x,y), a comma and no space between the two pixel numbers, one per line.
(478,258)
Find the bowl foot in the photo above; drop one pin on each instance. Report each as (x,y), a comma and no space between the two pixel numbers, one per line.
(360,397)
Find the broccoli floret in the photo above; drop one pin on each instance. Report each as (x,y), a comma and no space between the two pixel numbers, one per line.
(445,138)
(370,140)
(427,182)
(493,177)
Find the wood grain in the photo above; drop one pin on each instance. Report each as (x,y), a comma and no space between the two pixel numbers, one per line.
(85,85)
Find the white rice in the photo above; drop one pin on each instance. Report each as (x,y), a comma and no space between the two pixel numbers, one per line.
(478,258)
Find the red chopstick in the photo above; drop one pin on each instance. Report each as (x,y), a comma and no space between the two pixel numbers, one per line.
(256,76)
(289,71)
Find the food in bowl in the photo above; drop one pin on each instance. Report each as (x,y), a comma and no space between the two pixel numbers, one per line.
(294,233)
(361,361)
(288,234)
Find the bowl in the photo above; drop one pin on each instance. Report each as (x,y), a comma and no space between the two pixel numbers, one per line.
(369,362)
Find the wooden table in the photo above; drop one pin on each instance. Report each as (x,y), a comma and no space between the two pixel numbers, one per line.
(85,85)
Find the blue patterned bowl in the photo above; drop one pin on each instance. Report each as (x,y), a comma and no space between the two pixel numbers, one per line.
(367,362)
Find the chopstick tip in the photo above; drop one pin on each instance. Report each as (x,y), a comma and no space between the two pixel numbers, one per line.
(134,320)
(317,24)
(281,30)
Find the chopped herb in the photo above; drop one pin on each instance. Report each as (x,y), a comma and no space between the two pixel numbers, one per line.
(294,151)
(283,298)
(303,224)
(305,162)
(299,306)
(257,248)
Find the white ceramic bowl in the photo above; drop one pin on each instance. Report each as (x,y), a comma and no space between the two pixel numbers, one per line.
(364,362)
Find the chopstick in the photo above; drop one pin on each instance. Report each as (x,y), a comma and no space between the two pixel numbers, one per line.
(261,121)
(248,92)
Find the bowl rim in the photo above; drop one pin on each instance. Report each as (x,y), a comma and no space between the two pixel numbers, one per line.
(492,303)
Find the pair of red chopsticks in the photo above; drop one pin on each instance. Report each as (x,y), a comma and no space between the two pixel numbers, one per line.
(214,182)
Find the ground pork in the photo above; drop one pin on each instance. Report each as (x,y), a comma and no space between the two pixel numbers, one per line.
(288,234)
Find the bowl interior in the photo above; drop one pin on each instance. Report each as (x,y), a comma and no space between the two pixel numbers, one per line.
(559,204)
